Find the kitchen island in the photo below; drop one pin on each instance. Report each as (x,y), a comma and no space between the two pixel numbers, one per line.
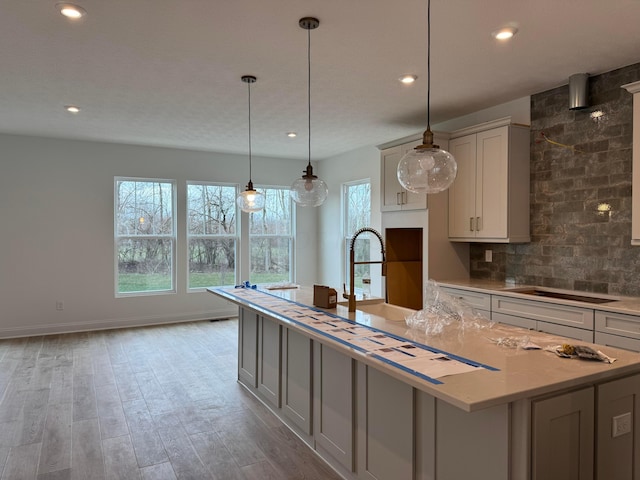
(515,414)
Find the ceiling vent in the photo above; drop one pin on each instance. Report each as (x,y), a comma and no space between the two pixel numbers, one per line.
(578,91)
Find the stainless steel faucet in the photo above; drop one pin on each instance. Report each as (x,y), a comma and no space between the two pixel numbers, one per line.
(353,263)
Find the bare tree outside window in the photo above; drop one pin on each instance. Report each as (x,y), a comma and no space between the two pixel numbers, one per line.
(212,234)
(271,239)
(145,235)
(357,214)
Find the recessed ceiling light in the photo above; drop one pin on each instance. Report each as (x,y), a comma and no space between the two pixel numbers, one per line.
(505,33)
(71,11)
(72,108)
(292,134)
(408,79)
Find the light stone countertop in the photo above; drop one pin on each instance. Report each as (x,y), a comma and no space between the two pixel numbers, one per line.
(624,305)
(522,374)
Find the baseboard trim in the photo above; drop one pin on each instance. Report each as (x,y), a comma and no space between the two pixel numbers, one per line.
(113,323)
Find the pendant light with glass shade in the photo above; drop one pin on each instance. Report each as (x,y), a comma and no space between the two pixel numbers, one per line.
(427,168)
(250,200)
(309,191)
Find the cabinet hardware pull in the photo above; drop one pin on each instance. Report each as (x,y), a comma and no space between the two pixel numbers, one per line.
(398,198)
(478,224)
(471,223)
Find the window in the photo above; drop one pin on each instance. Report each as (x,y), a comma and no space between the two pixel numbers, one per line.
(144,235)
(271,239)
(211,234)
(357,214)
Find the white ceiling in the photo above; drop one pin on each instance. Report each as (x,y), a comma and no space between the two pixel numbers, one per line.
(167,73)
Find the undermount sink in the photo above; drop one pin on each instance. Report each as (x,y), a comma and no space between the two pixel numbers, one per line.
(395,313)
(549,293)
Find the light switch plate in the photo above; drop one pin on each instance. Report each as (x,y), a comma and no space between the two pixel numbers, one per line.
(488,255)
(621,425)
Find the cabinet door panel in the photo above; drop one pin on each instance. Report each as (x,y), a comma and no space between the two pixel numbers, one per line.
(462,192)
(269,361)
(563,437)
(385,442)
(333,405)
(392,198)
(619,456)
(296,379)
(492,180)
(248,347)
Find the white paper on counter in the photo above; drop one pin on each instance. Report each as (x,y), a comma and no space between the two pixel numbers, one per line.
(438,366)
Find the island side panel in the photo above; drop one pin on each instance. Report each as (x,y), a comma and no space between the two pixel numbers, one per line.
(472,443)
(248,347)
(334,407)
(297,354)
(385,426)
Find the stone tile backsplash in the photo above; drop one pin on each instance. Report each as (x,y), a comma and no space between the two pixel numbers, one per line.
(580,195)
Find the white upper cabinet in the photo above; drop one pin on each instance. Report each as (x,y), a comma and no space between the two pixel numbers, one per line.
(489,200)
(634,88)
(394,195)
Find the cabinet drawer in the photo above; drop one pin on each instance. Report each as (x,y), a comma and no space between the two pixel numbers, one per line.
(546,312)
(477,300)
(618,324)
(514,321)
(617,341)
(564,331)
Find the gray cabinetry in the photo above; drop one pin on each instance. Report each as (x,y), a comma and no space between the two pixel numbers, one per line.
(385,442)
(478,300)
(297,351)
(334,406)
(618,455)
(617,330)
(563,436)
(269,354)
(248,347)
(564,320)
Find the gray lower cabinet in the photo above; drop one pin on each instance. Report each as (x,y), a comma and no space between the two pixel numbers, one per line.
(248,347)
(269,358)
(385,442)
(618,330)
(481,302)
(563,436)
(369,425)
(297,361)
(334,406)
(618,455)
(563,320)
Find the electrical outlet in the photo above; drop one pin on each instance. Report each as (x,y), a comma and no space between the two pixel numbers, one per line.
(488,255)
(621,425)
(59,305)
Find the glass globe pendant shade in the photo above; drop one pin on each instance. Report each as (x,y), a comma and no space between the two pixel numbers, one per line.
(250,200)
(427,170)
(309,190)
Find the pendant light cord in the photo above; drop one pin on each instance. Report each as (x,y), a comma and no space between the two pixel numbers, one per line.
(309,88)
(249,88)
(428,62)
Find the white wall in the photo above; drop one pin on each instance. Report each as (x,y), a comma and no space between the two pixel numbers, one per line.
(519,110)
(56,212)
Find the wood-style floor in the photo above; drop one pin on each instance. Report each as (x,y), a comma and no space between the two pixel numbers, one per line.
(149,403)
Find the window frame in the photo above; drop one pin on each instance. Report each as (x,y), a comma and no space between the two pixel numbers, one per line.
(171,237)
(346,238)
